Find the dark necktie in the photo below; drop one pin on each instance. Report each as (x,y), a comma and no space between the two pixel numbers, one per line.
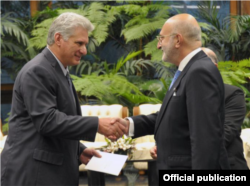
(70,86)
(177,73)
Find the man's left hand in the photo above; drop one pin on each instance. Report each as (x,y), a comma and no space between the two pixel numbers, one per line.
(87,154)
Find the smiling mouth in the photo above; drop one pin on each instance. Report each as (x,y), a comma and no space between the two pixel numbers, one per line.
(78,57)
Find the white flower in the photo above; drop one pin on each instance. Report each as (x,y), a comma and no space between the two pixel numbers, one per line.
(124,143)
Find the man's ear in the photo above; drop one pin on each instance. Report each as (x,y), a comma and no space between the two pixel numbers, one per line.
(178,40)
(58,38)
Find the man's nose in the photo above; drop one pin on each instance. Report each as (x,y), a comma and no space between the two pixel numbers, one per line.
(83,50)
(159,45)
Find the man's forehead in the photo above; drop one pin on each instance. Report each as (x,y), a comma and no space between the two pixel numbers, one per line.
(166,28)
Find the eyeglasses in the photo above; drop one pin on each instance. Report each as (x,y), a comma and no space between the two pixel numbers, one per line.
(160,38)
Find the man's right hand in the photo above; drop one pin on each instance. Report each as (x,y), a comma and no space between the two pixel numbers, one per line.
(111,130)
(122,123)
(153,152)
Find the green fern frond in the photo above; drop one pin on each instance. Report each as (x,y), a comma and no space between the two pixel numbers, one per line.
(140,31)
(101,16)
(77,11)
(129,9)
(137,20)
(130,2)
(162,14)
(101,31)
(96,12)
(235,73)
(158,7)
(151,49)
(40,33)
(109,86)
(90,85)
(139,99)
(121,85)
(150,46)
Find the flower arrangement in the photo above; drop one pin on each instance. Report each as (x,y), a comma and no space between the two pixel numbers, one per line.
(124,145)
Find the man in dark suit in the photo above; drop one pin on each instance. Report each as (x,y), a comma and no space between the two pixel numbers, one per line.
(45,126)
(188,129)
(235,110)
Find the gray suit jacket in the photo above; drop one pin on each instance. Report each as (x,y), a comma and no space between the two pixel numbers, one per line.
(189,126)
(42,147)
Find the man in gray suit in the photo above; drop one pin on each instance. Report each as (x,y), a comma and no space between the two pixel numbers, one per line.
(45,126)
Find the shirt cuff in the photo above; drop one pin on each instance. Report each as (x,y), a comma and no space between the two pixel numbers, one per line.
(131,127)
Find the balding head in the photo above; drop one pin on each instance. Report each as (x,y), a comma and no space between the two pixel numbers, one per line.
(186,25)
(180,35)
(211,55)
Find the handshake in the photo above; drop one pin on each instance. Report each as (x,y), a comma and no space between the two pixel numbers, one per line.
(113,128)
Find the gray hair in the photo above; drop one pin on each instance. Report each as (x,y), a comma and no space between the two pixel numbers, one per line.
(65,24)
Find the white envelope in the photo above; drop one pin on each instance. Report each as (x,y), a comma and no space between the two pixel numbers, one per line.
(109,163)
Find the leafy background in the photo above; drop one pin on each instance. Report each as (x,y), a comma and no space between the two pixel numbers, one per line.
(123,64)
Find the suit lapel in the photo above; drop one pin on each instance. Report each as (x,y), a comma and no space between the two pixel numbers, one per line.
(175,87)
(62,78)
(78,108)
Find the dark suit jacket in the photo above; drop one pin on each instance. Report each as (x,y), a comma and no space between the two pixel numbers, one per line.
(189,126)
(235,110)
(45,126)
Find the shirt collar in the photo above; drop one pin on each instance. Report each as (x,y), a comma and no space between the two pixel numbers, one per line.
(64,70)
(185,61)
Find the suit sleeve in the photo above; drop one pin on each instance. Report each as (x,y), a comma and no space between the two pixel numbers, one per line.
(144,124)
(41,98)
(235,111)
(81,148)
(205,107)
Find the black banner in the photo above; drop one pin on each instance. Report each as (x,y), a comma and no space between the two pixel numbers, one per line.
(204,176)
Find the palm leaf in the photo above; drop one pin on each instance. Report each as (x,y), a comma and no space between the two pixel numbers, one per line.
(123,60)
(164,70)
(14,49)
(9,26)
